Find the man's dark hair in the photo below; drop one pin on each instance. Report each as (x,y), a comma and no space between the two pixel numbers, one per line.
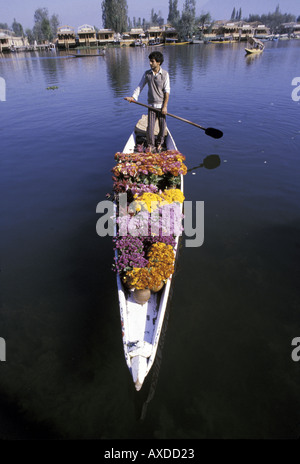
(157,56)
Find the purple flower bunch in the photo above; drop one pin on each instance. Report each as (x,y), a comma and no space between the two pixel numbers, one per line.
(137,225)
(139,189)
(164,221)
(170,219)
(137,233)
(131,253)
(122,186)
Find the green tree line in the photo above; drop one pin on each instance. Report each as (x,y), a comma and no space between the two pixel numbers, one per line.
(44,29)
(115,17)
(273,20)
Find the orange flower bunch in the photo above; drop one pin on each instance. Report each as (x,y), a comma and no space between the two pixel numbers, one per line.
(159,268)
(135,157)
(167,162)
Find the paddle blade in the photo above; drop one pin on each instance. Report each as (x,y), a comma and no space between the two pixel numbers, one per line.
(215,133)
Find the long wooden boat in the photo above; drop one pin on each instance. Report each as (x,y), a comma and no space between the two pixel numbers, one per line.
(155,43)
(221,40)
(86,55)
(142,323)
(176,43)
(255,46)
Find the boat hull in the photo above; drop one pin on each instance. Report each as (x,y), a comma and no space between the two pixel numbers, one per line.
(142,323)
(250,51)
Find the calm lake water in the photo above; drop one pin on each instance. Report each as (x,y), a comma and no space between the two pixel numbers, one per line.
(225,369)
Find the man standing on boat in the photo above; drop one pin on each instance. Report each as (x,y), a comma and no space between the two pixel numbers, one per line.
(158,81)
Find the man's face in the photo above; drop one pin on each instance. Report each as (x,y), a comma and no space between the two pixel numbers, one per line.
(154,65)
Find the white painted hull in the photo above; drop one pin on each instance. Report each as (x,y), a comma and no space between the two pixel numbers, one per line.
(142,324)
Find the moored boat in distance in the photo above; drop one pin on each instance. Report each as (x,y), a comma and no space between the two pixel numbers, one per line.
(137,43)
(142,322)
(155,42)
(87,55)
(198,41)
(175,42)
(221,40)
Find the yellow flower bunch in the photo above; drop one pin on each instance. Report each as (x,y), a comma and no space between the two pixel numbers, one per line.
(137,278)
(160,268)
(162,256)
(173,195)
(150,201)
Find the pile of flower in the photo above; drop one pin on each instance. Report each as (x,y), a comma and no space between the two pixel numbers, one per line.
(133,164)
(159,268)
(150,201)
(147,228)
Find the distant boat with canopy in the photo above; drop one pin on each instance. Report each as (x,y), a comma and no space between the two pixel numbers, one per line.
(254,46)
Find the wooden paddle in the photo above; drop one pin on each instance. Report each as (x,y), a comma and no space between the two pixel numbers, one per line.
(215,133)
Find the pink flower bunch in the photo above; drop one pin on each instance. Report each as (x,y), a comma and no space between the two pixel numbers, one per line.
(139,189)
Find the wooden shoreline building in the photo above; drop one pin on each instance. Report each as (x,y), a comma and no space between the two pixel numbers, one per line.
(87,36)
(9,42)
(66,37)
(235,31)
(154,34)
(293,29)
(105,36)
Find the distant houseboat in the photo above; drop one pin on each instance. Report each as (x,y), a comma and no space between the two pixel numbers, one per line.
(261,32)
(87,36)
(155,35)
(105,36)
(9,42)
(170,35)
(137,37)
(66,37)
(292,29)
